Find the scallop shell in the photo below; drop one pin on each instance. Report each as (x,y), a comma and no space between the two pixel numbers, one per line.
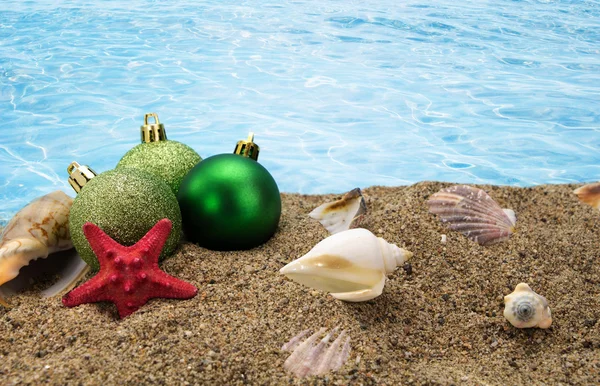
(308,358)
(342,214)
(590,194)
(39,229)
(352,265)
(474,213)
(524,308)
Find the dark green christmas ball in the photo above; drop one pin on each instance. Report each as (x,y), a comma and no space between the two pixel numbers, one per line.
(125,203)
(169,160)
(229,202)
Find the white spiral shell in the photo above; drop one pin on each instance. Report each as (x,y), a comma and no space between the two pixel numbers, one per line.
(524,308)
(351,265)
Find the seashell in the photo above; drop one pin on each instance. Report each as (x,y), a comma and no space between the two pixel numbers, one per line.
(351,265)
(308,358)
(37,230)
(524,308)
(473,213)
(342,214)
(590,194)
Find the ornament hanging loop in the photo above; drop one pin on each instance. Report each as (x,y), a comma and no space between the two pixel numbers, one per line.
(247,148)
(79,175)
(153,132)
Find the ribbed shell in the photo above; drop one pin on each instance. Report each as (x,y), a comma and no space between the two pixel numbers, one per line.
(311,358)
(474,213)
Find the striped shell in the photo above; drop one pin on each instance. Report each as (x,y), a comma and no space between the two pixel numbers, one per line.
(590,194)
(311,358)
(474,213)
(343,214)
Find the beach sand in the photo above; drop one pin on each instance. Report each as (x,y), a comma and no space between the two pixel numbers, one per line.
(439,320)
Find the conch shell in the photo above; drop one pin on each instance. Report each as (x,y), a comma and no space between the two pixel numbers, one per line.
(473,213)
(311,358)
(590,194)
(351,265)
(524,308)
(37,230)
(342,214)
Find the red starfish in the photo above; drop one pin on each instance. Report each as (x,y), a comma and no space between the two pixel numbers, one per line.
(129,276)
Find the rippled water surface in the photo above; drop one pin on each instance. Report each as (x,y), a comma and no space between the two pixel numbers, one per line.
(339,93)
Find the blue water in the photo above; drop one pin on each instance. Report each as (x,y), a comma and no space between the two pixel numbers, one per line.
(339,93)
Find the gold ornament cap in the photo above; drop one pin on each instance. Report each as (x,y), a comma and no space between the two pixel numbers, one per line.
(79,175)
(247,148)
(153,132)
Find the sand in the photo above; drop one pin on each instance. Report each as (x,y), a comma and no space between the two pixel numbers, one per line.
(439,320)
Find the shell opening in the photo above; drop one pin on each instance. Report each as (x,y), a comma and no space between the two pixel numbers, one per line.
(67,265)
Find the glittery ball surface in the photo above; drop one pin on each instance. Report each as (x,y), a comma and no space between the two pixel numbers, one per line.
(125,203)
(168,160)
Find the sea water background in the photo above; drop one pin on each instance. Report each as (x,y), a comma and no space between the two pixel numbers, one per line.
(339,93)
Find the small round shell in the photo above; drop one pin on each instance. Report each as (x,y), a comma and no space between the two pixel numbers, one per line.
(524,308)
(474,213)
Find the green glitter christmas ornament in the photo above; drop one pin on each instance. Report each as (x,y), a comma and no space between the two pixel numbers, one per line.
(230,201)
(125,203)
(166,159)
